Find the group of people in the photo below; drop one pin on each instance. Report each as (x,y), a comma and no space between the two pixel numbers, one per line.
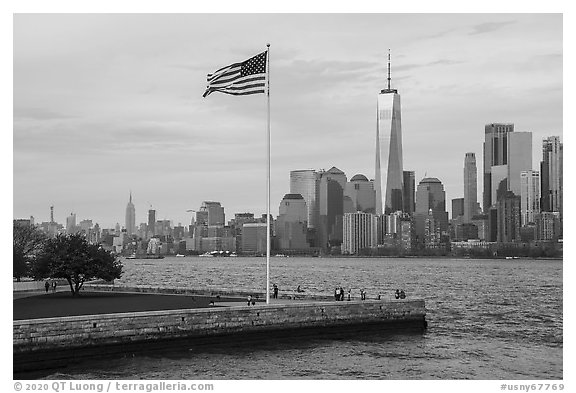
(339,294)
(400,294)
(47,285)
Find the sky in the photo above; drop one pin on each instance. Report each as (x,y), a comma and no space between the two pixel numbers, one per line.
(108,104)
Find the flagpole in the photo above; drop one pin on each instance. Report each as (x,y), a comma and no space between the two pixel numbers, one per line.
(268,180)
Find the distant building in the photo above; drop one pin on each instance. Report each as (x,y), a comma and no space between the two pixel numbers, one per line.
(361,193)
(393,224)
(430,201)
(359,232)
(406,233)
(291,225)
(506,155)
(481,222)
(307,183)
(236,225)
(529,195)
(548,226)
(71,224)
(466,231)
(409,197)
(495,154)
(331,205)
(151,228)
(254,238)
(457,207)
(432,231)
(520,158)
(508,217)
(130,217)
(215,213)
(551,175)
(23,222)
(470,187)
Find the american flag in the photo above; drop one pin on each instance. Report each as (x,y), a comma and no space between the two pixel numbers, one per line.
(247,77)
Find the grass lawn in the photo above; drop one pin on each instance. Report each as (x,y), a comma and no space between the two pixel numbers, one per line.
(62,304)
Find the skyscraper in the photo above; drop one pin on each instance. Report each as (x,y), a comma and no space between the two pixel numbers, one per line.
(388,150)
(457,208)
(508,217)
(71,223)
(150,231)
(331,206)
(361,193)
(495,154)
(409,197)
(519,158)
(215,212)
(430,203)
(291,225)
(551,175)
(529,196)
(359,232)
(506,155)
(130,217)
(470,187)
(305,182)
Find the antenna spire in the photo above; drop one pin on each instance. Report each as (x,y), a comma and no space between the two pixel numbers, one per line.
(389,69)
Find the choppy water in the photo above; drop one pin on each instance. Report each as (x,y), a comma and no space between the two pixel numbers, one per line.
(487,319)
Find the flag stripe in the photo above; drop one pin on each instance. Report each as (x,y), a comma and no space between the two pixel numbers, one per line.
(228,66)
(225,73)
(238,81)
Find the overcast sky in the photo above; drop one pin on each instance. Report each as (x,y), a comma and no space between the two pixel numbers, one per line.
(105,104)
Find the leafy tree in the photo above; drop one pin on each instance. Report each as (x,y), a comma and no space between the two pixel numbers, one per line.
(28,242)
(73,258)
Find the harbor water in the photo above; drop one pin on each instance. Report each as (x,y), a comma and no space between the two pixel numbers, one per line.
(487,319)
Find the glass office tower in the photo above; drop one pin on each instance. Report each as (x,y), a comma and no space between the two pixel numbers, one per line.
(389,150)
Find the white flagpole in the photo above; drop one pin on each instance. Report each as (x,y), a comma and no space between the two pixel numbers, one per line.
(268,182)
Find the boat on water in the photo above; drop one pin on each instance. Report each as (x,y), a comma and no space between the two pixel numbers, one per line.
(218,254)
(180,255)
(145,256)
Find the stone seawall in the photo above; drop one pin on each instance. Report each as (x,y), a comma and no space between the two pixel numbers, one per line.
(38,339)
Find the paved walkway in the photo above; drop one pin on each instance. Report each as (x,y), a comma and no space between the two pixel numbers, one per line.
(38,292)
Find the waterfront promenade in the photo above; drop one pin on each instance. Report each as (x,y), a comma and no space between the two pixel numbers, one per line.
(54,328)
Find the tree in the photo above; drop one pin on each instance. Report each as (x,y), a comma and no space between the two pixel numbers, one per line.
(73,258)
(28,242)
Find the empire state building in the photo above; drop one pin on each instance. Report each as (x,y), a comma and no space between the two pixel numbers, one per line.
(389,150)
(130,217)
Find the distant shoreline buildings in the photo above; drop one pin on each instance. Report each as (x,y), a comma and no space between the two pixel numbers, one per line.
(325,213)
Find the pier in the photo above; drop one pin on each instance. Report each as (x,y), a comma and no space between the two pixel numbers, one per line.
(46,342)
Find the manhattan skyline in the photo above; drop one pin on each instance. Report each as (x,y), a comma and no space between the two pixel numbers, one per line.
(108,104)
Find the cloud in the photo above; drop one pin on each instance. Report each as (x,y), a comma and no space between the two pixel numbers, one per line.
(489,27)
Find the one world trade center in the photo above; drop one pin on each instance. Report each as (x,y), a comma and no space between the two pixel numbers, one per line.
(389,150)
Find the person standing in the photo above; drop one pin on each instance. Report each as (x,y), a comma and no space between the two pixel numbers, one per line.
(275,296)
(47,286)
(349,294)
(54,286)
(249,299)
